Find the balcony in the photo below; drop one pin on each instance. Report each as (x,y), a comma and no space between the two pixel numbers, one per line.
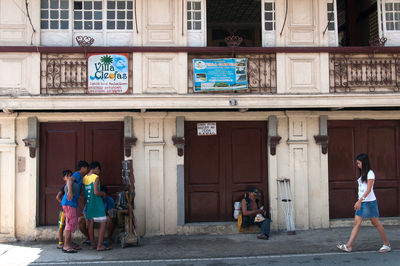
(261,72)
(369,73)
(349,72)
(67,73)
(364,73)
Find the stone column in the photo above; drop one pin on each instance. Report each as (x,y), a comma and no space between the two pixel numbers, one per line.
(7,177)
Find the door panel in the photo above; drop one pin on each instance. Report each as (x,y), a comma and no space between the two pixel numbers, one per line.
(105,144)
(383,147)
(380,140)
(220,169)
(247,165)
(342,173)
(246,155)
(205,206)
(60,149)
(204,177)
(62,145)
(204,145)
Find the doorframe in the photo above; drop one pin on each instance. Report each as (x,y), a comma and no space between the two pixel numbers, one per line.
(127,130)
(271,130)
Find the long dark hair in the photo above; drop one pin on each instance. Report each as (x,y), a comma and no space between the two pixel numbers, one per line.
(365,166)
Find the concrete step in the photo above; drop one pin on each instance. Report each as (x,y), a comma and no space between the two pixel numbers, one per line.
(348,222)
(223,228)
(216,228)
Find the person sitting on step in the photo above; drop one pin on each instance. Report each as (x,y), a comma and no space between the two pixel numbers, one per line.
(254,214)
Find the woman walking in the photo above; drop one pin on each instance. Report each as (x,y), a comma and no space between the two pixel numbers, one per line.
(366,206)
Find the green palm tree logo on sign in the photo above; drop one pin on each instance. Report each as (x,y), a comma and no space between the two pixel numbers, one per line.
(107,61)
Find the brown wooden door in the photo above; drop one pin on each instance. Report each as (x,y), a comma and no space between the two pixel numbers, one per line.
(220,169)
(380,140)
(62,145)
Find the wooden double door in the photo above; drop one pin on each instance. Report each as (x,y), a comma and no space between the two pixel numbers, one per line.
(381,141)
(62,145)
(220,168)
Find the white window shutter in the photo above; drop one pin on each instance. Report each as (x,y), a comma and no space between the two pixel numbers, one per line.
(196,23)
(268,22)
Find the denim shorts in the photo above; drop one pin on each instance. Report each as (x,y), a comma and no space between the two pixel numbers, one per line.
(369,209)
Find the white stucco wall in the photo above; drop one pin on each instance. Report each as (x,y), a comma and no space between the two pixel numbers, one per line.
(155,158)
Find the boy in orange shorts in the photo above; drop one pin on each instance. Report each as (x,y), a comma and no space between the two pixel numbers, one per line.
(61,216)
(70,204)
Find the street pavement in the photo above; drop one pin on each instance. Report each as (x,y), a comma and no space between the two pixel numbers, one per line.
(234,249)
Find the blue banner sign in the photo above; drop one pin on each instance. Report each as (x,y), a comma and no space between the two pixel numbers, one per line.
(220,74)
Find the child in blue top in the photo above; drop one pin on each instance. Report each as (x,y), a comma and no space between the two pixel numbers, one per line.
(69,204)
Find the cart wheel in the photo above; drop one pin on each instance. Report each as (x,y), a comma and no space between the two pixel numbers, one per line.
(123,243)
(138,241)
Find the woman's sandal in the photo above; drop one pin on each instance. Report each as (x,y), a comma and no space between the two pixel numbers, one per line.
(103,248)
(69,250)
(385,249)
(76,246)
(343,247)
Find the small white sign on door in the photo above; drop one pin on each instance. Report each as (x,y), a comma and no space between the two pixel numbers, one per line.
(206,129)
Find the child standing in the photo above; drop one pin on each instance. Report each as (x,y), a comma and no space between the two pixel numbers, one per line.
(366,206)
(95,211)
(70,204)
(109,208)
(61,216)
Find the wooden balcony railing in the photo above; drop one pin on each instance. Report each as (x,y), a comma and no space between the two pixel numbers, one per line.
(364,72)
(261,72)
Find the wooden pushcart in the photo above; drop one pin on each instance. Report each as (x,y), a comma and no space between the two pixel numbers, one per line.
(126,207)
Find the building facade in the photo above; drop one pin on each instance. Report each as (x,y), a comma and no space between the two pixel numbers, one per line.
(323,84)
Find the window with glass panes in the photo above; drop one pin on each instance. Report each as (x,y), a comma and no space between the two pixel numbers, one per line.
(331,16)
(392,15)
(54,14)
(269,16)
(88,15)
(194,15)
(119,15)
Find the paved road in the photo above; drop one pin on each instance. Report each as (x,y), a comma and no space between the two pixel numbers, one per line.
(353,259)
(281,249)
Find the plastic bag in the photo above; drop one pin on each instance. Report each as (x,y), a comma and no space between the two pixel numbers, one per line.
(259,218)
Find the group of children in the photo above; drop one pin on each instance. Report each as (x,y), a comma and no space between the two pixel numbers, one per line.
(97,203)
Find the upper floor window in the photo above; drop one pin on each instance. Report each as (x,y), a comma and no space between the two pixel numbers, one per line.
(268,23)
(88,15)
(209,23)
(196,24)
(109,22)
(194,15)
(269,15)
(331,27)
(331,16)
(54,14)
(392,15)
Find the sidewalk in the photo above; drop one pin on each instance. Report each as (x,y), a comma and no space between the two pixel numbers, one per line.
(203,246)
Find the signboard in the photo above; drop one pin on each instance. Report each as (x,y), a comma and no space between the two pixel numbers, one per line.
(220,74)
(108,73)
(206,129)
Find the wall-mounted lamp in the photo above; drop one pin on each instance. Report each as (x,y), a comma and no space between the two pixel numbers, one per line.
(273,137)
(322,138)
(32,140)
(129,139)
(179,139)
